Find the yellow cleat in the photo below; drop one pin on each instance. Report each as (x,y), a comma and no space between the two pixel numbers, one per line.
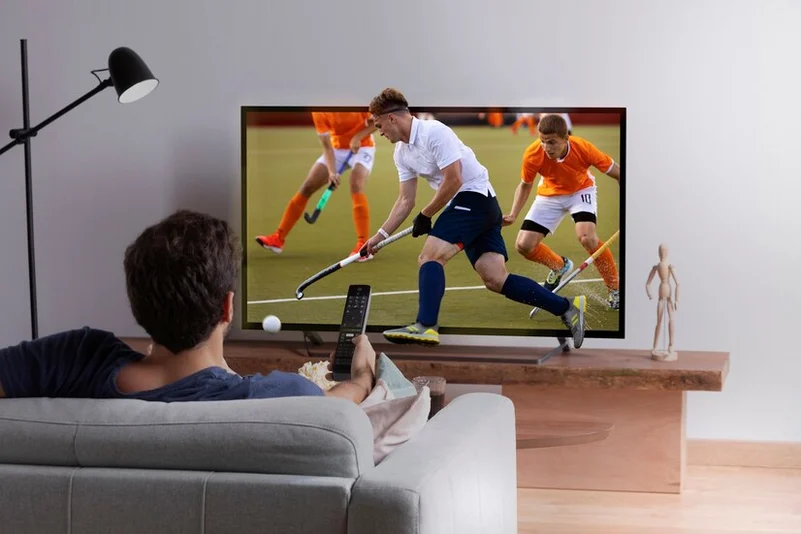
(414,333)
(574,319)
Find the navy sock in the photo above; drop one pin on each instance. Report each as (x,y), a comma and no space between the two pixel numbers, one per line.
(527,291)
(431,283)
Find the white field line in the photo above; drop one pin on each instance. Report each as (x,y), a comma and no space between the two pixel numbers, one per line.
(405,292)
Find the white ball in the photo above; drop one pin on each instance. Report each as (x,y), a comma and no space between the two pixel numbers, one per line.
(271,324)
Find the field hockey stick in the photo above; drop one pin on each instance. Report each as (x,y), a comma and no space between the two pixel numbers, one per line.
(589,261)
(326,194)
(350,259)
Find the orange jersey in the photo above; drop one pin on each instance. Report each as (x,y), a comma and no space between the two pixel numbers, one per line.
(342,126)
(566,176)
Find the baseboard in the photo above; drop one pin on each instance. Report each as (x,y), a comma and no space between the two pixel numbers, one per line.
(714,452)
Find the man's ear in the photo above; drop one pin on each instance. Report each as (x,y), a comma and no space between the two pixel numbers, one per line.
(228,307)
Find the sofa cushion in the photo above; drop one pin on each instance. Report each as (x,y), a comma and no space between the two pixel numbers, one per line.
(317,436)
(386,370)
(395,421)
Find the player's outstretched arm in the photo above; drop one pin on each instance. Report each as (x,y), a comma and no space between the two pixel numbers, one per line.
(368,130)
(614,172)
(404,205)
(362,371)
(330,159)
(522,192)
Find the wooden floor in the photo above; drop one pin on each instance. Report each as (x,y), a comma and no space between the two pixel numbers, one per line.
(715,500)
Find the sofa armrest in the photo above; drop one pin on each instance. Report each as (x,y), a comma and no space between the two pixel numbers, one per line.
(458,475)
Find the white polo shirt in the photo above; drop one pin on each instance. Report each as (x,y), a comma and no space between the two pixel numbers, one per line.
(433,146)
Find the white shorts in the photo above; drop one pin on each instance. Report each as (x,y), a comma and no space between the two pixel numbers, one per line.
(549,211)
(365,156)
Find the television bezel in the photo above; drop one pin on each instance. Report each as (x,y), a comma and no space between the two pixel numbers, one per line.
(620,333)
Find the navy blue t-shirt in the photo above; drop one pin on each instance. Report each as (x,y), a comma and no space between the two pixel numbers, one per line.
(84,363)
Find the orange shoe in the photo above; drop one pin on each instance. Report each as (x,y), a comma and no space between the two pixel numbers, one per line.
(356,250)
(271,242)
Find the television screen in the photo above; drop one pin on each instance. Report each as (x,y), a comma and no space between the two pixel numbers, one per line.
(285,174)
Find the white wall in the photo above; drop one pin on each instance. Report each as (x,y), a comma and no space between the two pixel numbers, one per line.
(713,132)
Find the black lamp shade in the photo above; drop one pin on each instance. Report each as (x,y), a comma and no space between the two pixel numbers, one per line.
(131,78)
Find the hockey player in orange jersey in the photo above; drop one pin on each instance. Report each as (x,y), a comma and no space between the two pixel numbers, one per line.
(567,186)
(340,134)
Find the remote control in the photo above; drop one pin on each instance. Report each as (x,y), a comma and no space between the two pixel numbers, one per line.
(354,323)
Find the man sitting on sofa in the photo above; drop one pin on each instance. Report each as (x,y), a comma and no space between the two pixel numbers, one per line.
(180,276)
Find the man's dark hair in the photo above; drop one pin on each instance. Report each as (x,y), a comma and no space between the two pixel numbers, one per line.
(553,124)
(388,100)
(178,273)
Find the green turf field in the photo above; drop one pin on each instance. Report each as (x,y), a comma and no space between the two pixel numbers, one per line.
(278,160)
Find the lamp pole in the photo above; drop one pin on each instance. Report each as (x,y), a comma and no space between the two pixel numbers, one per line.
(23,136)
(130,72)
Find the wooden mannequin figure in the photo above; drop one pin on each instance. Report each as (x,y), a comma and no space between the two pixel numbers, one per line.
(666,302)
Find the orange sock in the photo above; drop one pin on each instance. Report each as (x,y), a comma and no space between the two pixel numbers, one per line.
(605,263)
(361,215)
(294,209)
(544,255)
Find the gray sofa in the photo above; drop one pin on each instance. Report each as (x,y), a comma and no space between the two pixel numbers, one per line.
(291,465)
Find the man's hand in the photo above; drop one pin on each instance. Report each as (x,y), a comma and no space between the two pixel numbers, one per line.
(334,178)
(355,144)
(508,219)
(362,373)
(422,225)
(369,246)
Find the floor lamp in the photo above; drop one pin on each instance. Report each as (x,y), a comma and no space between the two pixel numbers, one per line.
(132,80)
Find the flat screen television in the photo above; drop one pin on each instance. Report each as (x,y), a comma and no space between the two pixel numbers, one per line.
(280,146)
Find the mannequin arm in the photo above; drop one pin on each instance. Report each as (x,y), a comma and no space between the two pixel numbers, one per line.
(672,271)
(648,282)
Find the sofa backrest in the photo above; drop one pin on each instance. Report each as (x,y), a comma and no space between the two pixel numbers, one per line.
(316,436)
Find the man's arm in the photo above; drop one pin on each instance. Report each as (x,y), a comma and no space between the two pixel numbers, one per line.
(362,372)
(368,130)
(75,363)
(522,193)
(323,128)
(404,205)
(614,172)
(602,161)
(330,160)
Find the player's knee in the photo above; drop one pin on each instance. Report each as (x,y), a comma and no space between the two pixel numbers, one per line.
(493,280)
(494,284)
(425,258)
(589,242)
(356,186)
(523,247)
(307,189)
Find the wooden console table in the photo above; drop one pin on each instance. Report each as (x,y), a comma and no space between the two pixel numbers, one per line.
(643,399)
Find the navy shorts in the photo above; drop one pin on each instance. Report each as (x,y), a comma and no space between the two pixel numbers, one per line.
(473,221)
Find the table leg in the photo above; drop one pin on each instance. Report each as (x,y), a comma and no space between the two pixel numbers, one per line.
(645,451)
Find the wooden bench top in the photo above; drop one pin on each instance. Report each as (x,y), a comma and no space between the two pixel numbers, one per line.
(582,368)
